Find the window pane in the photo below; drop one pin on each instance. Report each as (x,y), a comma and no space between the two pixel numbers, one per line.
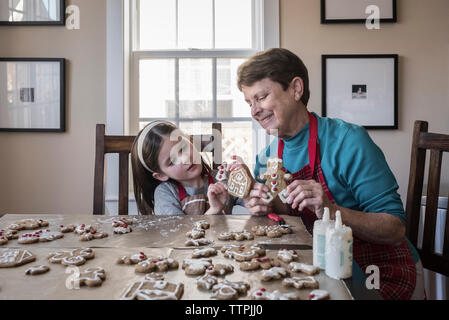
(195,88)
(157,91)
(157,24)
(195,24)
(230,101)
(238,140)
(233,24)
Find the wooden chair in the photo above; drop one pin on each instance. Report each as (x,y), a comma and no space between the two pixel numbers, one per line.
(122,145)
(437,144)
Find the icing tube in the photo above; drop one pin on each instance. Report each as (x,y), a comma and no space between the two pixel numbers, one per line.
(319,239)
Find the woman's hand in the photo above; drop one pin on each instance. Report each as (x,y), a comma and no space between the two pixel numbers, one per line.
(254,202)
(218,196)
(308,194)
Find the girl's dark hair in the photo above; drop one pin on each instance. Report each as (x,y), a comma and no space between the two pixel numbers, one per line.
(144,182)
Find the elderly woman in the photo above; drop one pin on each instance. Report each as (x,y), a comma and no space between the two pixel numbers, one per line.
(334,164)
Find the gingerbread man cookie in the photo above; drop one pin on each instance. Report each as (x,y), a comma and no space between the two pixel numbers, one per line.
(67,229)
(154,290)
(274,231)
(74,257)
(40,236)
(3,240)
(227,290)
(122,229)
(154,276)
(6,235)
(15,257)
(196,266)
(206,281)
(263,294)
(197,242)
(301,282)
(160,264)
(90,277)
(286,255)
(196,234)
(302,267)
(28,224)
(220,269)
(240,182)
(206,252)
(37,270)
(243,253)
(82,229)
(275,179)
(121,221)
(274,273)
(319,295)
(257,263)
(239,236)
(133,259)
(202,224)
(93,234)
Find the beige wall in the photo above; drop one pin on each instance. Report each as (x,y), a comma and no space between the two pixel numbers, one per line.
(53,172)
(420,38)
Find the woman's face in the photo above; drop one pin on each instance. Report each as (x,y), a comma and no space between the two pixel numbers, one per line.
(272,107)
(179,160)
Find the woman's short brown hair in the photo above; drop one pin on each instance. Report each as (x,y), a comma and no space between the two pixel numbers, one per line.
(279,65)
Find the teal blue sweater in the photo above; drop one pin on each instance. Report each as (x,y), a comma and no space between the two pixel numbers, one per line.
(354,167)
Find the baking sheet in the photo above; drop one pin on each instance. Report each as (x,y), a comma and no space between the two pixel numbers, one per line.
(157,231)
(14,284)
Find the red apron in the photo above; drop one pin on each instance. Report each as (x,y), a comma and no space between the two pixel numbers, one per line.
(396,266)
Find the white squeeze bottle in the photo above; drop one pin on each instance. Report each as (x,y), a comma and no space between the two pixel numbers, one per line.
(338,256)
(319,239)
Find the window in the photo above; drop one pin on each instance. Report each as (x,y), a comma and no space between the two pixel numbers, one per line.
(184,60)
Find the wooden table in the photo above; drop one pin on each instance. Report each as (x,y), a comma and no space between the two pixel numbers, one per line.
(157,235)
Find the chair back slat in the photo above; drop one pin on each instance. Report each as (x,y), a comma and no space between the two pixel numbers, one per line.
(123,183)
(437,144)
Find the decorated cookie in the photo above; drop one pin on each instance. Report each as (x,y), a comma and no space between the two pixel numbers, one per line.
(122,229)
(67,229)
(206,252)
(154,276)
(275,179)
(121,221)
(9,234)
(220,269)
(196,266)
(319,295)
(286,255)
(91,277)
(274,231)
(301,282)
(10,258)
(28,224)
(257,263)
(93,234)
(82,229)
(3,240)
(154,290)
(196,234)
(133,259)
(263,294)
(36,270)
(222,175)
(227,290)
(198,242)
(39,236)
(239,236)
(302,267)
(240,182)
(74,257)
(274,273)
(242,253)
(158,264)
(206,281)
(202,224)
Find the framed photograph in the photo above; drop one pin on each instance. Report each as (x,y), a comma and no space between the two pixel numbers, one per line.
(355,11)
(32,94)
(361,89)
(32,12)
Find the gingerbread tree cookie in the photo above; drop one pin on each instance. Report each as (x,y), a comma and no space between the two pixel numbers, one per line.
(275,179)
(15,257)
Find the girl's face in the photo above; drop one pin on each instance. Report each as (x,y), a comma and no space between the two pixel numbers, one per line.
(178,160)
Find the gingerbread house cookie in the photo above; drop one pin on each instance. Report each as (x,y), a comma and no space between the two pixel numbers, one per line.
(240,182)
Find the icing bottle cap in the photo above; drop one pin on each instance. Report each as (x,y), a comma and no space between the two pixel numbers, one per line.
(338,222)
(326,215)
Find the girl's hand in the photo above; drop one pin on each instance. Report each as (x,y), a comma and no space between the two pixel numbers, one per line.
(218,196)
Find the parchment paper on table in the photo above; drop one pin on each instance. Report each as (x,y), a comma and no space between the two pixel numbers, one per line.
(154,290)
(10,258)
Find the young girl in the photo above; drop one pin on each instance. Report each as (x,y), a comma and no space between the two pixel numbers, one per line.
(170,176)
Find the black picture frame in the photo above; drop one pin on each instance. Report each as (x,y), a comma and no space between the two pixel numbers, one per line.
(29,93)
(330,101)
(326,20)
(59,22)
